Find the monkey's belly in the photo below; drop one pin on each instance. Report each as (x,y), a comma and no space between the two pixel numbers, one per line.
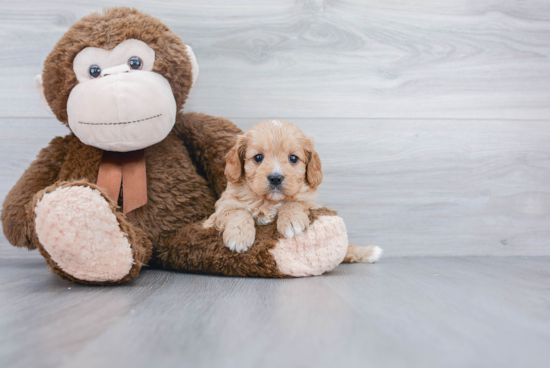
(176,193)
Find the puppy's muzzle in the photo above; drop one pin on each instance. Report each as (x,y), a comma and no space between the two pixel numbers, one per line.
(275,180)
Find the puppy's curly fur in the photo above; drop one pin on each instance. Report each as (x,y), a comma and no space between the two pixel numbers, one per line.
(273,173)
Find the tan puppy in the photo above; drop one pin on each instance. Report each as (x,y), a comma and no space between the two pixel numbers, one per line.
(273,173)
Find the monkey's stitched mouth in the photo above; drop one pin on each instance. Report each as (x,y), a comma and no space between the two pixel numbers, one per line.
(121,123)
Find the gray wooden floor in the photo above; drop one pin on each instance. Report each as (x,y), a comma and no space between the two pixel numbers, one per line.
(432,119)
(403,312)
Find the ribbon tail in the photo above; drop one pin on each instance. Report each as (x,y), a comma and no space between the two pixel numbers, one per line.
(109,176)
(134,180)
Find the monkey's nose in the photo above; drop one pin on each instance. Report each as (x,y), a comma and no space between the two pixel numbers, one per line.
(122,68)
(275,179)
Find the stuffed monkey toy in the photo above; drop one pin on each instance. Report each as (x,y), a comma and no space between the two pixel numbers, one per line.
(129,186)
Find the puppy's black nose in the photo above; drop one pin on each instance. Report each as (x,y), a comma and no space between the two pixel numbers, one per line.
(275,179)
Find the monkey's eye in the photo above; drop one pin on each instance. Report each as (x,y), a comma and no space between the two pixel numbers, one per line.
(259,158)
(293,159)
(135,63)
(95,71)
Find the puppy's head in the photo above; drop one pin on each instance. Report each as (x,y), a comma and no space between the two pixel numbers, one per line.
(275,160)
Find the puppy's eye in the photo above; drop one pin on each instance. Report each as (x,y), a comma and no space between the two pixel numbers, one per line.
(259,158)
(293,159)
(95,71)
(135,63)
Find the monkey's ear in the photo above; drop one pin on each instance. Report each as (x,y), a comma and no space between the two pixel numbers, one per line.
(40,90)
(193,59)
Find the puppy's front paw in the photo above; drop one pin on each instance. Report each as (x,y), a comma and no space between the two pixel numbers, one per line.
(239,237)
(292,223)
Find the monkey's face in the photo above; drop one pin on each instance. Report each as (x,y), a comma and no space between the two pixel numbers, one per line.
(117,79)
(119,103)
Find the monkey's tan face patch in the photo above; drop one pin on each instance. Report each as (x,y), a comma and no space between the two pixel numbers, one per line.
(121,108)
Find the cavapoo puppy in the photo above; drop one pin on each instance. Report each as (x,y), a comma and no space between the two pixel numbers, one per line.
(273,173)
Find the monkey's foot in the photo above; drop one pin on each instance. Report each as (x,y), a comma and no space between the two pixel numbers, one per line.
(318,249)
(81,236)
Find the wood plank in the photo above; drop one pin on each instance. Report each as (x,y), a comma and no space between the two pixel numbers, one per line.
(347,59)
(413,187)
(402,312)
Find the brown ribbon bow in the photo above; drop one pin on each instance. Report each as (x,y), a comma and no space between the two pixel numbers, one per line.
(127,168)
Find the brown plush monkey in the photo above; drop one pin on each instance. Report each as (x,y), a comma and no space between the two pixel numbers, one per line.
(131,183)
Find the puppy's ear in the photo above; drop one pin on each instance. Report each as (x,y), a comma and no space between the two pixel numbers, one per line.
(234,161)
(314,175)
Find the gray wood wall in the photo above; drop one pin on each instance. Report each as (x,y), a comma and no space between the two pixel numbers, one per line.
(431,117)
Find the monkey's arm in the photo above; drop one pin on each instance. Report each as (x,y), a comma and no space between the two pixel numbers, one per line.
(208,140)
(17,216)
